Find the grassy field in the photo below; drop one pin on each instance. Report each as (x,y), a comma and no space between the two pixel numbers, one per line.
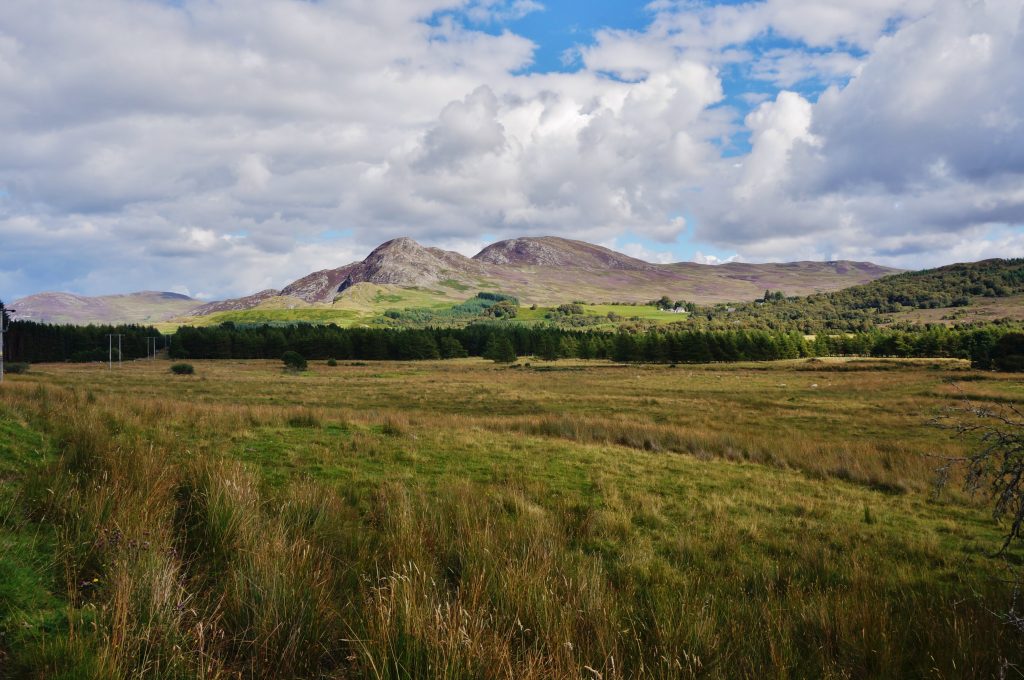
(626,312)
(463,520)
(365,304)
(362,304)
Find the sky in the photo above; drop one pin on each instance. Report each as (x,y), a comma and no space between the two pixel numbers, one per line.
(220,147)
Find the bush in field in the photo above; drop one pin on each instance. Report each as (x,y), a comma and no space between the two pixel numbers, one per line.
(182,369)
(332,362)
(293,361)
(16,367)
(1008,354)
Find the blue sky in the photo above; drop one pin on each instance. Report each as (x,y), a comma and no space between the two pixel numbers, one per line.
(561,28)
(219,147)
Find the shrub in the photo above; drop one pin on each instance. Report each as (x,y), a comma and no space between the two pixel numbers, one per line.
(502,310)
(294,361)
(16,367)
(1008,354)
(182,369)
(332,362)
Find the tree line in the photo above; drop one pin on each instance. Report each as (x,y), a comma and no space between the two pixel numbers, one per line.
(987,346)
(34,342)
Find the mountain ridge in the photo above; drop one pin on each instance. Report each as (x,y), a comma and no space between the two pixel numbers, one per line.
(553,251)
(550,269)
(543,270)
(139,307)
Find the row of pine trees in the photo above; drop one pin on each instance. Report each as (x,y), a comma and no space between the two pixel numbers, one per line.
(984,345)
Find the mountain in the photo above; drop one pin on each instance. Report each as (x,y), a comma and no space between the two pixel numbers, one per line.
(400,262)
(144,307)
(548,270)
(544,270)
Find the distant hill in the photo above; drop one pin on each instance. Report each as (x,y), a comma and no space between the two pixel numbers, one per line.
(957,293)
(144,307)
(545,270)
(548,271)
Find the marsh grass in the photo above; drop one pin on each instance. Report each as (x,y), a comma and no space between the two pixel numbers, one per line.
(436,524)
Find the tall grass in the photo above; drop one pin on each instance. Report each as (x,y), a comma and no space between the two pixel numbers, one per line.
(178,560)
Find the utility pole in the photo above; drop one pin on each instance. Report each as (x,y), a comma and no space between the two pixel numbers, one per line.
(110,349)
(4,325)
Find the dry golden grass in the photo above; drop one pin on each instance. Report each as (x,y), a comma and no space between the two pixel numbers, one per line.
(459,520)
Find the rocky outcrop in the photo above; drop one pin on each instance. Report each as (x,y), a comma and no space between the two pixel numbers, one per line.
(399,262)
(550,251)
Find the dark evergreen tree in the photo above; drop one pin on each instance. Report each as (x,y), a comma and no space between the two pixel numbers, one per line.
(548,346)
(499,349)
(417,345)
(1008,353)
(451,348)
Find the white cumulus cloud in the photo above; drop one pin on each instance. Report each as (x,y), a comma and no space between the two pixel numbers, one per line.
(209,144)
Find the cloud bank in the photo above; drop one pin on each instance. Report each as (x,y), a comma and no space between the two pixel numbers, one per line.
(225,146)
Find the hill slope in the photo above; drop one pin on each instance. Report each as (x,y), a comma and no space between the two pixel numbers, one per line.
(549,270)
(144,307)
(955,293)
(545,270)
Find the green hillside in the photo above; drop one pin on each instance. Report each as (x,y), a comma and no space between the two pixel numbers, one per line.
(947,294)
(961,293)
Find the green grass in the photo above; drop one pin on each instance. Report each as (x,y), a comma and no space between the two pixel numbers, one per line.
(455,519)
(35,621)
(363,304)
(341,317)
(452,283)
(628,313)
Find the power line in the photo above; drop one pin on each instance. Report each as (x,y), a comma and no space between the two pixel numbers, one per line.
(5,322)
(110,349)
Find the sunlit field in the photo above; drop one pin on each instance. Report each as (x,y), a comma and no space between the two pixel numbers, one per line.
(461,519)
